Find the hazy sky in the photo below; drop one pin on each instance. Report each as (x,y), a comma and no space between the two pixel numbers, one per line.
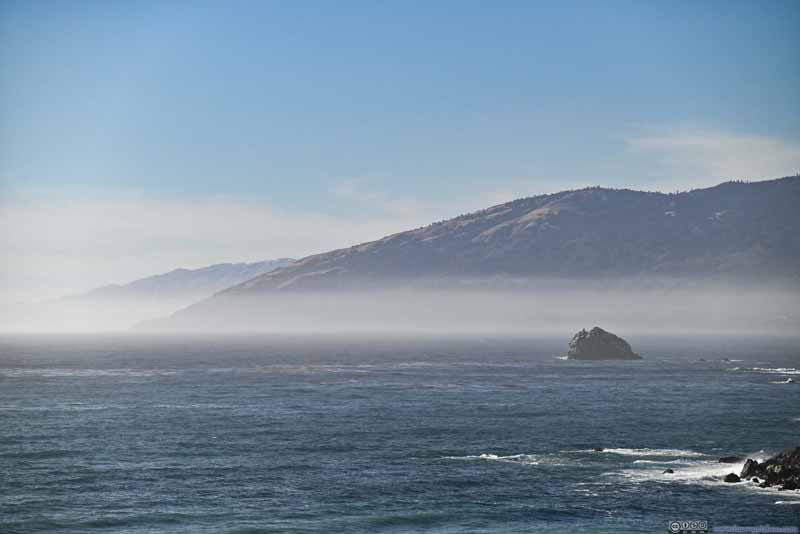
(136,137)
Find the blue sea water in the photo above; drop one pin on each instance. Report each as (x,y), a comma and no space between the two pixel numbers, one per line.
(254,434)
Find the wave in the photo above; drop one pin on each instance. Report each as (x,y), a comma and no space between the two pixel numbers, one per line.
(64,407)
(521,459)
(776,370)
(688,471)
(83,373)
(662,462)
(692,472)
(645,452)
(525,459)
(194,406)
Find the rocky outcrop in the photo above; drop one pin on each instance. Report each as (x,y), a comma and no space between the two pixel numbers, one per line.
(732,478)
(597,344)
(781,471)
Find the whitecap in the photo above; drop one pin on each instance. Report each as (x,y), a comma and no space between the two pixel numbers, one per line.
(692,472)
(661,462)
(525,459)
(649,452)
(521,459)
(776,370)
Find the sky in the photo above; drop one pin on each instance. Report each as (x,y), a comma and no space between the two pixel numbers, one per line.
(138,137)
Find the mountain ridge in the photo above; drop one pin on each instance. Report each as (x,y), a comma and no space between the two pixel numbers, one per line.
(203,281)
(734,228)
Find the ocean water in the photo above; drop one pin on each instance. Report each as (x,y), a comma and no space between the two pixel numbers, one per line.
(311,434)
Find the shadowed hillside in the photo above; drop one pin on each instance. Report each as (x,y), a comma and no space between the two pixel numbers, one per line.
(739,229)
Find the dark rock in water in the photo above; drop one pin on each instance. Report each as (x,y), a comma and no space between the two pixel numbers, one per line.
(773,473)
(730,460)
(599,449)
(754,480)
(749,469)
(597,344)
(782,470)
(732,478)
(668,471)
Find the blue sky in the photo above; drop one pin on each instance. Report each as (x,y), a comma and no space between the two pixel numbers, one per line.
(383,114)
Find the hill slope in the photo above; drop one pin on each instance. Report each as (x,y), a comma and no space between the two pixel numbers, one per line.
(737,229)
(188,283)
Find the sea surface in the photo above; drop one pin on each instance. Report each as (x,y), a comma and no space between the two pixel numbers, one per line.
(259,434)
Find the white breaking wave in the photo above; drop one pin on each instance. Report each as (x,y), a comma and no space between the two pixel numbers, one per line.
(649,452)
(662,462)
(522,459)
(777,370)
(526,459)
(692,472)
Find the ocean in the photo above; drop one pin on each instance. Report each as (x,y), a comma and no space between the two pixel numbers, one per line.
(270,434)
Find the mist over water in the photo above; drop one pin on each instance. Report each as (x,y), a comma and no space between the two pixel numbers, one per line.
(484,305)
(86,314)
(555,307)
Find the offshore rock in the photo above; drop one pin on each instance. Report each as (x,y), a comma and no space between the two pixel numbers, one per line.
(597,344)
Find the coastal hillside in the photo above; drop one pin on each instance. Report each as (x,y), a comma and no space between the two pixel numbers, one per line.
(733,229)
(187,283)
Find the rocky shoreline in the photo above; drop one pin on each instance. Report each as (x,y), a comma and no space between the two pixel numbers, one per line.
(782,471)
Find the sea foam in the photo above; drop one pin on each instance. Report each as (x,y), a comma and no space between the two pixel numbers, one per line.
(647,452)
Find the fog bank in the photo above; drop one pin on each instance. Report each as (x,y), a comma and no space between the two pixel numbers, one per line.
(522,311)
